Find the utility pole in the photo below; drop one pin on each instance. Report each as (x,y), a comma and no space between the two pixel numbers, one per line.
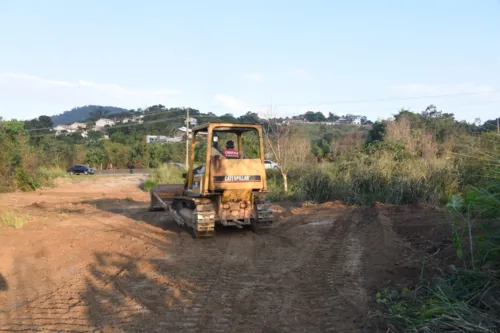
(187,138)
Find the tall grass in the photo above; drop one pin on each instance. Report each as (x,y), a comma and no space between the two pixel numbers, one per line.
(47,175)
(464,297)
(164,174)
(364,179)
(13,219)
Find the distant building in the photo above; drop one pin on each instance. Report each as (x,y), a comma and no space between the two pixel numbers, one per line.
(161,139)
(67,129)
(192,122)
(295,120)
(341,121)
(181,131)
(356,120)
(63,129)
(156,138)
(77,126)
(103,122)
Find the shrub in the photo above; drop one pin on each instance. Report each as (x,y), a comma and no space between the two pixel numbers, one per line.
(13,219)
(165,174)
(47,175)
(149,184)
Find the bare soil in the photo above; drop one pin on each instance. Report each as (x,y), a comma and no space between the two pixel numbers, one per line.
(91,258)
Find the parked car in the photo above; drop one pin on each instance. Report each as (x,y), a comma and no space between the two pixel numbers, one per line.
(179,165)
(79,169)
(271,165)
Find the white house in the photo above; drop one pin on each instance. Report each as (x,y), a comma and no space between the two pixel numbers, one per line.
(341,121)
(356,120)
(181,131)
(155,138)
(103,122)
(77,126)
(192,121)
(63,128)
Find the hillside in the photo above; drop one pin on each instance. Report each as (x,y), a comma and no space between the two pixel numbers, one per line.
(82,113)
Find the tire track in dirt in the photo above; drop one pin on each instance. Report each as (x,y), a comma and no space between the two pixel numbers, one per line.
(312,274)
(337,262)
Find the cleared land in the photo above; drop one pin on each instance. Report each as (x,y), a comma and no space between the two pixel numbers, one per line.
(91,258)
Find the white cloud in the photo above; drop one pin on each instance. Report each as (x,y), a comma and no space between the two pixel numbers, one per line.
(253,77)
(415,89)
(22,89)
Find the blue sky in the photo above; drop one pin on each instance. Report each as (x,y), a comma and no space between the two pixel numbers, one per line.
(233,56)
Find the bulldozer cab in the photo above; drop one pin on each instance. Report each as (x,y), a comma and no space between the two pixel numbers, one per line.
(226,157)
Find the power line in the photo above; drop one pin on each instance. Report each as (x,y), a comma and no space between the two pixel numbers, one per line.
(388,99)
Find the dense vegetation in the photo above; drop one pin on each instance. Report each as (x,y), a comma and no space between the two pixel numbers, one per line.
(423,158)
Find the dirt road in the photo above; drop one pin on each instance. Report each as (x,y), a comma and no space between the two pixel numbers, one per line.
(92,259)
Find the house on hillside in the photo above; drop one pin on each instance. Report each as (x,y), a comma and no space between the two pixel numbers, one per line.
(295,120)
(161,139)
(342,121)
(103,122)
(349,120)
(356,120)
(59,129)
(192,122)
(77,126)
(181,131)
(67,129)
(155,138)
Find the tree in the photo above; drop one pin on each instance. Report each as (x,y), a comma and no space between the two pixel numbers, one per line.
(350,118)
(332,117)
(312,116)
(99,113)
(288,147)
(250,118)
(377,132)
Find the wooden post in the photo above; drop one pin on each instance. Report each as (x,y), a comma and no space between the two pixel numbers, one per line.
(187,138)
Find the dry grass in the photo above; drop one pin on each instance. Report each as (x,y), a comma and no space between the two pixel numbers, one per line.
(165,174)
(13,219)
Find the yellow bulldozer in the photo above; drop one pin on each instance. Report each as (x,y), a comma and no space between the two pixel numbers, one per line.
(229,188)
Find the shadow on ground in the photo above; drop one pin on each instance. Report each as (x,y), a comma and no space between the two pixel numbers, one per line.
(138,211)
(3,283)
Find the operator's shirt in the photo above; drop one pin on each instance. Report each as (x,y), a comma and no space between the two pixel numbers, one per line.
(231,153)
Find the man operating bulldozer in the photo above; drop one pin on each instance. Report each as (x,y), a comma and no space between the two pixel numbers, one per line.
(230,152)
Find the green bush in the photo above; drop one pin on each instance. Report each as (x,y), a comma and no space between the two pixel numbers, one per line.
(149,184)
(164,174)
(275,184)
(26,181)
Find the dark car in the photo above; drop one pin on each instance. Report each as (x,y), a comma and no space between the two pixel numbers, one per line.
(79,169)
